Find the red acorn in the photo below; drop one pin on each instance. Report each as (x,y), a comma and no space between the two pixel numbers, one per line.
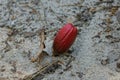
(64,39)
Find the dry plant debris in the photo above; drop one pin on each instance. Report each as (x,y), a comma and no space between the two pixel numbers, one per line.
(41,53)
(42,71)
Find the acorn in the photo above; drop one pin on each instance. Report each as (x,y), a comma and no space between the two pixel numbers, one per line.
(64,39)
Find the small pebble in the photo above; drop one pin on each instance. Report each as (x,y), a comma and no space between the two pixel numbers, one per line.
(105,60)
(118,66)
(80,74)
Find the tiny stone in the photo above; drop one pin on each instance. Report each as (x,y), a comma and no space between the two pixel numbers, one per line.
(117,69)
(2,69)
(108,36)
(118,28)
(80,74)
(104,61)
(61,72)
(118,66)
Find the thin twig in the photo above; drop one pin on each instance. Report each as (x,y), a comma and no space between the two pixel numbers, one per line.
(30,77)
